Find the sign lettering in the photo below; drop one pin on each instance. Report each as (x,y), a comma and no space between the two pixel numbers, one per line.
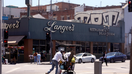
(101,31)
(53,27)
(12,25)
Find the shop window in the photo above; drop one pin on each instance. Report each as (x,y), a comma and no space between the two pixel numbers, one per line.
(21,43)
(42,42)
(62,17)
(100,50)
(87,47)
(54,17)
(42,49)
(116,47)
(99,47)
(77,49)
(36,48)
(35,42)
(21,49)
(68,17)
(95,47)
(68,49)
(83,49)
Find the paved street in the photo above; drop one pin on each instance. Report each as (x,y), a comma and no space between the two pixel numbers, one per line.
(83,68)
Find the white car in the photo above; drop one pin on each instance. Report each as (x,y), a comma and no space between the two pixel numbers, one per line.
(85,57)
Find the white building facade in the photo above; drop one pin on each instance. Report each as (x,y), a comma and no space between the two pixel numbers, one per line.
(12,11)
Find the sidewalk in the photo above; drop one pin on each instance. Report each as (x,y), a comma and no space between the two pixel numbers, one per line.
(42,63)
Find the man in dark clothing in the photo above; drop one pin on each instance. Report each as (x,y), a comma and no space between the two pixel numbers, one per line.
(42,57)
(104,58)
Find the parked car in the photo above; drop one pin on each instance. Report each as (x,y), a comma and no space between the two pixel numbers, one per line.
(114,56)
(128,55)
(85,57)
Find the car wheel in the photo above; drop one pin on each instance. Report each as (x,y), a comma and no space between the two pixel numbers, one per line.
(92,60)
(123,60)
(111,60)
(80,61)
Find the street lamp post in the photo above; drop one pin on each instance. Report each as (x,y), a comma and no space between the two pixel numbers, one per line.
(0,36)
(106,29)
(51,32)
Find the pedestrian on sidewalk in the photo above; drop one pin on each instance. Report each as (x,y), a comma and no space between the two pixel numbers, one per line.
(38,58)
(35,57)
(57,57)
(104,58)
(31,58)
(3,59)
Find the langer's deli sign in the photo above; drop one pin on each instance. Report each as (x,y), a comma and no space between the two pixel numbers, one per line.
(14,25)
(53,27)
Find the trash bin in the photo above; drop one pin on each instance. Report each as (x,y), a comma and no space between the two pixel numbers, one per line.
(97,67)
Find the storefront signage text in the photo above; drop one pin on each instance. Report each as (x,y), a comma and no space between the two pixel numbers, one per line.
(53,27)
(13,25)
(101,31)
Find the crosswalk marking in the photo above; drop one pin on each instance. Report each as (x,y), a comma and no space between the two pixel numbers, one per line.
(13,70)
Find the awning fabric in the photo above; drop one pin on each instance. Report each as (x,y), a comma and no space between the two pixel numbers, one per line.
(14,39)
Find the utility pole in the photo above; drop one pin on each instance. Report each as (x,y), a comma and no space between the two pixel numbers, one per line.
(38,4)
(51,17)
(0,36)
(130,71)
(51,13)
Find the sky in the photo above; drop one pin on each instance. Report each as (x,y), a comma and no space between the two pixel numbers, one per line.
(96,3)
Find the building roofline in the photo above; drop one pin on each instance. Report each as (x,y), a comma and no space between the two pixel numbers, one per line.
(125,6)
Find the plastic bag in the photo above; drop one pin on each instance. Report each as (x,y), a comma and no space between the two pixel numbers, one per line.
(73,60)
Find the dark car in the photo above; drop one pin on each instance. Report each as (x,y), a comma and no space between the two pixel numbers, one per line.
(114,56)
(128,55)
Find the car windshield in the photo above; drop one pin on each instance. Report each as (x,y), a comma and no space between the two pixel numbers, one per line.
(79,54)
(111,54)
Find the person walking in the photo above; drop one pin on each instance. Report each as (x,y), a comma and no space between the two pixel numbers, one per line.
(38,58)
(42,57)
(104,58)
(35,57)
(57,57)
(31,58)
(13,56)
(3,59)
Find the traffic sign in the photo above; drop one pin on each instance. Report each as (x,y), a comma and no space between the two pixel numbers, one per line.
(4,18)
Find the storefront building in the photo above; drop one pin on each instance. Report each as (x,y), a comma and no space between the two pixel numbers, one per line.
(28,35)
